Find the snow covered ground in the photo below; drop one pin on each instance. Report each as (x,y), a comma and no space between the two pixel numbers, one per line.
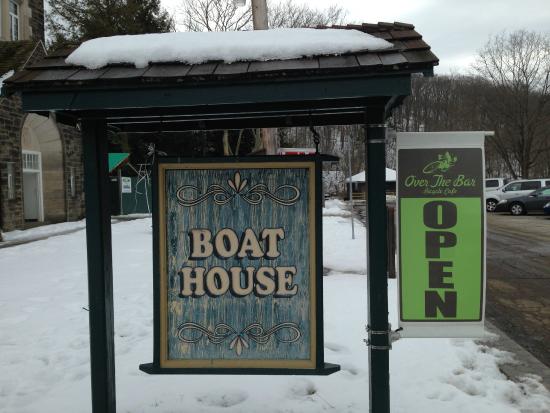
(44,349)
(43,231)
(51,230)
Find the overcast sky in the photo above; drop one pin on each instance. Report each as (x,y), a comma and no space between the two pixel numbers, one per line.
(455,29)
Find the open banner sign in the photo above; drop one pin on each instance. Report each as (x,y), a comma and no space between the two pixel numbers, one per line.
(441,221)
(239,267)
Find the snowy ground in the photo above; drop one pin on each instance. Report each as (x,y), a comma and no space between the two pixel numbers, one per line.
(43,231)
(44,353)
(51,230)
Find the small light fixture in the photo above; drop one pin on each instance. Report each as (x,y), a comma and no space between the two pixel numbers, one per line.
(239,3)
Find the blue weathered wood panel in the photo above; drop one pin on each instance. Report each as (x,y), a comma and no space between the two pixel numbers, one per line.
(225,207)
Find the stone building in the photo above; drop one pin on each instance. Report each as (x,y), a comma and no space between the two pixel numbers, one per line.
(41,170)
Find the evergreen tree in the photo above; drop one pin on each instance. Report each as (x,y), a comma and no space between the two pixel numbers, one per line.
(74,21)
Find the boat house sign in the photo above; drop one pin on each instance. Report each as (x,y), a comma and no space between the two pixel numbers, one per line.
(238,265)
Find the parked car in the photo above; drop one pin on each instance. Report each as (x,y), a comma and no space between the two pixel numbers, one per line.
(513,189)
(494,183)
(546,209)
(521,205)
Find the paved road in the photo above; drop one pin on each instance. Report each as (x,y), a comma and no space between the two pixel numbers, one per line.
(518,280)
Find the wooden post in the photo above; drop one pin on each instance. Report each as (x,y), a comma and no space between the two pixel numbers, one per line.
(379,390)
(100,269)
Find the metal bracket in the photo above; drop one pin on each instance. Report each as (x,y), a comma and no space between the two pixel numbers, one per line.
(393,336)
(316,138)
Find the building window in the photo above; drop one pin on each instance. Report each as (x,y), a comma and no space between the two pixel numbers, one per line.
(11,181)
(31,161)
(14,20)
(72,183)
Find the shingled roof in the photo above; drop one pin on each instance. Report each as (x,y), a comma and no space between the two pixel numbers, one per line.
(409,54)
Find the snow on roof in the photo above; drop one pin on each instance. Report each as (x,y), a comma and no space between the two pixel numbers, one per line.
(391,176)
(4,77)
(229,47)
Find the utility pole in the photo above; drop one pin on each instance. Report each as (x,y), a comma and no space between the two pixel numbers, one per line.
(259,14)
(260,22)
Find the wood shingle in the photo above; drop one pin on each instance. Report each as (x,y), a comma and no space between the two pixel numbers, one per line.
(410,53)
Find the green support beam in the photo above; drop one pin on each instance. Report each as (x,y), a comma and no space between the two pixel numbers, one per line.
(144,96)
(378,326)
(100,267)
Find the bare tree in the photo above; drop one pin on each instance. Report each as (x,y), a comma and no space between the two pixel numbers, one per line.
(290,14)
(458,102)
(517,66)
(509,95)
(224,15)
(335,140)
(214,16)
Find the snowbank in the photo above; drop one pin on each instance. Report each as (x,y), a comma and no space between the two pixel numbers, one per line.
(336,208)
(229,47)
(43,231)
(44,345)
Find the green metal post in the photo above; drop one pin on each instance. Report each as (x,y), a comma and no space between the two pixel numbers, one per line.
(100,269)
(379,390)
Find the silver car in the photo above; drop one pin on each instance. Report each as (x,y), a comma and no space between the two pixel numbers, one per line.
(513,189)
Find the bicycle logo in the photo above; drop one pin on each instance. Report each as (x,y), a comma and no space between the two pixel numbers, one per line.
(444,162)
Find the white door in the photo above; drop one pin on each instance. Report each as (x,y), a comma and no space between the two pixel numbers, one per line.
(32,186)
(30,196)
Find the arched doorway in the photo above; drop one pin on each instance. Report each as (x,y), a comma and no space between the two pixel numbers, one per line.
(43,178)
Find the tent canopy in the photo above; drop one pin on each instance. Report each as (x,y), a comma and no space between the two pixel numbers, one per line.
(391,176)
(117,160)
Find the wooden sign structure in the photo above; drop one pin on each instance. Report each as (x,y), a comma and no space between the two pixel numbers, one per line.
(238,266)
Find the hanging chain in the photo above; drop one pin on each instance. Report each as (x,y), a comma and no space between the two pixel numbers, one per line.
(316,138)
